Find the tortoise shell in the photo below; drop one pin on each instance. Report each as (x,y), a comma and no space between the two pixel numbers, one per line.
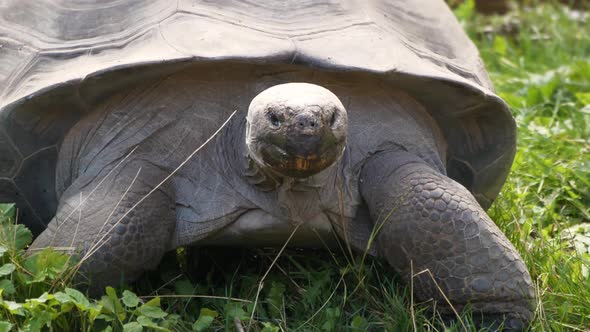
(60,57)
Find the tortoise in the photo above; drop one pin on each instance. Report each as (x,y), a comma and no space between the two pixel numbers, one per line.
(117,138)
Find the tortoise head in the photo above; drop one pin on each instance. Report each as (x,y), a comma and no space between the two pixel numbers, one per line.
(296,129)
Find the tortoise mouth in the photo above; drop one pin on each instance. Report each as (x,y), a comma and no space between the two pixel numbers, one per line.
(300,157)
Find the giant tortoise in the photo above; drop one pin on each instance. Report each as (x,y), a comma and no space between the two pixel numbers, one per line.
(353,118)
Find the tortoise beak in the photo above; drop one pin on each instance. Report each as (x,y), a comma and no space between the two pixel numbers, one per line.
(308,151)
(305,141)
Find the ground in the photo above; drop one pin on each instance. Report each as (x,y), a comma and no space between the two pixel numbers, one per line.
(539,61)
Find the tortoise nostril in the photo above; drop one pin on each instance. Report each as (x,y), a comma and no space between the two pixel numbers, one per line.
(306,122)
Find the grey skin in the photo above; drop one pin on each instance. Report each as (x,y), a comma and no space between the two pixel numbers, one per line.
(298,159)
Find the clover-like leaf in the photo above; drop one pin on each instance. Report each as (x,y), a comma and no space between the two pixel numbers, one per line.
(7,269)
(38,320)
(12,307)
(233,310)
(206,317)
(132,327)
(359,323)
(62,297)
(7,212)
(152,312)
(130,299)
(152,309)
(269,327)
(274,298)
(184,287)
(5,326)
(112,302)
(15,237)
(46,264)
(79,298)
(7,287)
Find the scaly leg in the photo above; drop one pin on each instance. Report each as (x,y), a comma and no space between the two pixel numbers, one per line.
(431,223)
(114,242)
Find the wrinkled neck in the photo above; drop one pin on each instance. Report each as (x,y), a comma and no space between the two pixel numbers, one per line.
(262,177)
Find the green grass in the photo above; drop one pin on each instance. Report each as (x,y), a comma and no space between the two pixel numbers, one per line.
(539,61)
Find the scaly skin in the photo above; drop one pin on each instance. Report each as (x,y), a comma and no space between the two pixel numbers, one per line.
(432,225)
(122,248)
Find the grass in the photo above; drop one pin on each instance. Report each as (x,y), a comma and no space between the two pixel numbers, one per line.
(539,61)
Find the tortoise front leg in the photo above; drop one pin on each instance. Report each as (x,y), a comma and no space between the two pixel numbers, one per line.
(434,226)
(114,239)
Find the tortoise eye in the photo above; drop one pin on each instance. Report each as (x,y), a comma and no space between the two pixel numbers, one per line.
(333,118)
(274,119)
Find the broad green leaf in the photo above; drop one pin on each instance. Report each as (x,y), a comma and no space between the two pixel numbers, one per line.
(94,311)
(15,237)
(152,311)
(38,320)
(512,99)
(170,322)
(205,319)
(3,250)
(7,287)
(203,323)
(500,45)
(208,312)
(155,302)
(583,97)
(7,269)
(146,322)
(106,315)
(359,324)
(42,299)
(533,96)
(183,287)
(5,326)
(46,264)
(332,316)
(235,310)
(111,293)
(465,10)
(132,327)
(7,211)
(67,307)
(581,70)
(548,89)
(117,307)
(78,297)
(12,307)
(62,297)
(130,299)
(275,298)
(269,327)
